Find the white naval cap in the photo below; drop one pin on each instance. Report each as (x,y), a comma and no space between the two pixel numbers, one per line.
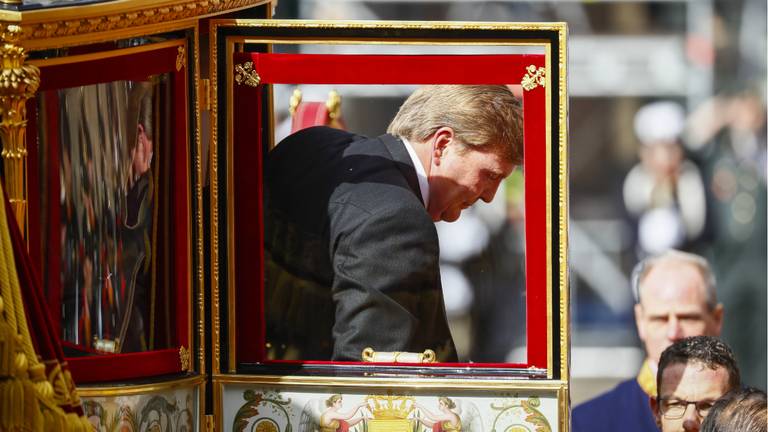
(659,122)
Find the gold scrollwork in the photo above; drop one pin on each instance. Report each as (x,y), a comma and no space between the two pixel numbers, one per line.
(120,16)
(534,78)
(185,357)
(181,58)
(244,74)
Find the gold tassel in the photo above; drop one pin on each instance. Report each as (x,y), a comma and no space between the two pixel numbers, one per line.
(26,395)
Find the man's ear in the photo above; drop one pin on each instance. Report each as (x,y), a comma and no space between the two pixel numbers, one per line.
(441,139)
(717,316)
(639,321)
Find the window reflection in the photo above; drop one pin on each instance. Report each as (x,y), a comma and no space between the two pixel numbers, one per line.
(107,142)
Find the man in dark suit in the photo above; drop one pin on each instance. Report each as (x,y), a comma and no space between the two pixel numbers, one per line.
(351,248)
(675,298)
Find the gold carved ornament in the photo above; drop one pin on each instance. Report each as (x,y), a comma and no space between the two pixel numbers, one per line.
(245,74)
(534,78)
(185,358)
(18,82)
(181,58)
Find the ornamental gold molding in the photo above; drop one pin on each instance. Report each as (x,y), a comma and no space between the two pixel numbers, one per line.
(181,58)
(534,78)
(185,358)
(49,23)
(244,74)
(18,82)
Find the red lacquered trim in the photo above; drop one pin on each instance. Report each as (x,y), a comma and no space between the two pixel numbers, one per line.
(249,250)
(131,67)
(118,367)
(405,69)
(389,69)
(181,208)
(53,228)
(535,163)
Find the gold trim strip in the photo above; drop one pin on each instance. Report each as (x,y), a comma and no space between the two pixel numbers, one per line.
(563,412)
(107,54)
(405,25)
(75,22)
(548,109)
(425,42)
(99,37)
(231,238)
(213,175)
(400,382)
(545,43)
(127,390)
(563,216)
(200,170)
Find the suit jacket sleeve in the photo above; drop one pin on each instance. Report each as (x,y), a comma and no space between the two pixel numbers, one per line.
(386,287)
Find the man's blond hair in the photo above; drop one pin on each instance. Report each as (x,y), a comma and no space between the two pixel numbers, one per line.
(480,116)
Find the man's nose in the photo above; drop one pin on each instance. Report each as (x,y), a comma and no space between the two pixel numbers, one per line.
(674,330)
(691,421)
(489,193)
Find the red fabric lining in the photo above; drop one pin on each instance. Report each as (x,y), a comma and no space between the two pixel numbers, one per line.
(117,367)
(401,69)
(53,229)
(246,161)
(109,69)
(181,208)
(535,157)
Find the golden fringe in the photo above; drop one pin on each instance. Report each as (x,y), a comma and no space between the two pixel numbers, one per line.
(27,397)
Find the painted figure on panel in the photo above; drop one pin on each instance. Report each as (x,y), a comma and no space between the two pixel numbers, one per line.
(445,420)
(326,415)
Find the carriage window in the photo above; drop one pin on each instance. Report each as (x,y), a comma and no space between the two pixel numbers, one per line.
(465,304)
(107,204)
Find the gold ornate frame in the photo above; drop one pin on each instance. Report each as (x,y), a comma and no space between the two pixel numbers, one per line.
(233,43)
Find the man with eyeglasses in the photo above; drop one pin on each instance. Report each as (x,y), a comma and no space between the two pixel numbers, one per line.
(693,374)
(674,298)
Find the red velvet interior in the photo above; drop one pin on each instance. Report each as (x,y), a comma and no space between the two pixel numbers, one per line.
(385,69)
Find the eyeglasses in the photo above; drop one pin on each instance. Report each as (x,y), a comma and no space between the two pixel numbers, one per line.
(675,408)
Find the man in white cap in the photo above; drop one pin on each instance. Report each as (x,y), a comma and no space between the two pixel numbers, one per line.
(664,192)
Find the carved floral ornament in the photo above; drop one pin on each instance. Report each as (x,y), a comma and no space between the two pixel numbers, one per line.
(181,58)
(185,359)
(244,74)
(534,78)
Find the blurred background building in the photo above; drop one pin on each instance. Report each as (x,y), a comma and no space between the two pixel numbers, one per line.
(672,91)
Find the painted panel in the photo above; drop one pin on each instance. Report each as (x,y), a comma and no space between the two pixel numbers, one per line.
(166,410)
(335,409)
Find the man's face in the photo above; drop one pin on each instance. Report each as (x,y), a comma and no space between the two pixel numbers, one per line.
(459,177)
(681,383)
(673,306)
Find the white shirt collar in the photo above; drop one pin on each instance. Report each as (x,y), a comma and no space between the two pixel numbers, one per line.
(420,173)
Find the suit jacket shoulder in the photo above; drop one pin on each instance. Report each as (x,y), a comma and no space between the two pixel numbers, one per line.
(626,408)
